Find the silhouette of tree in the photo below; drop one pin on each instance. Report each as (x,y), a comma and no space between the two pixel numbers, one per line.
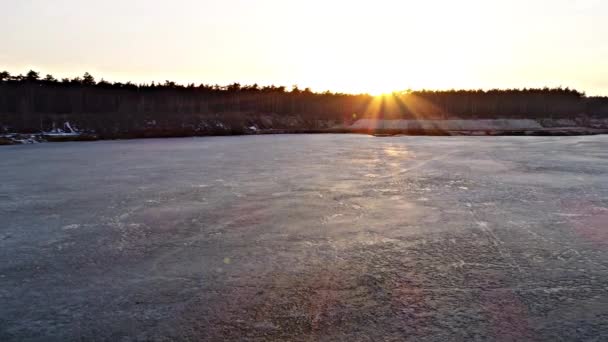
(106,84)
(50,78)
(32,75)
(234,87)
(4,75)
(88,79)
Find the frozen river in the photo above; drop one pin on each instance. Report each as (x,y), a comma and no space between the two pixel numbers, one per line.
(306,237)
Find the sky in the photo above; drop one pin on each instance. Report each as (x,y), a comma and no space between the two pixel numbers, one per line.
(347,46)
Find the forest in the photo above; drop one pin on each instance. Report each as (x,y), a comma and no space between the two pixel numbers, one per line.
(31,103)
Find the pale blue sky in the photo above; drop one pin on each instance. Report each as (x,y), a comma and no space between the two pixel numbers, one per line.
(353,46)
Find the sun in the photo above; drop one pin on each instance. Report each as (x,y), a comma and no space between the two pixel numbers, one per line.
(383,94)
(383,82)
(380,91)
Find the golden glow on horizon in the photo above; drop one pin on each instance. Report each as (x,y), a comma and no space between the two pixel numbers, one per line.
(391,106)
(343,46)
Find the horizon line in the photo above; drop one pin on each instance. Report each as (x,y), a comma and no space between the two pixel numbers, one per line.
(287,89)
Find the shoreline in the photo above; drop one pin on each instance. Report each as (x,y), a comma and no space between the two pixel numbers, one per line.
(30,138)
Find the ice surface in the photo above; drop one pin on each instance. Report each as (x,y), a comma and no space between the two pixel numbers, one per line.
(305,237)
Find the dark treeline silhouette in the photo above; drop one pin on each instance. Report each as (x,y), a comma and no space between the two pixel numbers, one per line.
(31,103)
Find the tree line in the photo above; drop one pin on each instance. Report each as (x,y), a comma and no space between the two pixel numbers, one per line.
(25,99)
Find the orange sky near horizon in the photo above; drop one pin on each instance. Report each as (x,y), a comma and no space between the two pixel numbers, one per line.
(346,46)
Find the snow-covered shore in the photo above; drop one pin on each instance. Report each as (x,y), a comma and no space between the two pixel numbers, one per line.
(365,126)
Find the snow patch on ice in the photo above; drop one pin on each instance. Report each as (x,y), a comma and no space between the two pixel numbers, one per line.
(71,227)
